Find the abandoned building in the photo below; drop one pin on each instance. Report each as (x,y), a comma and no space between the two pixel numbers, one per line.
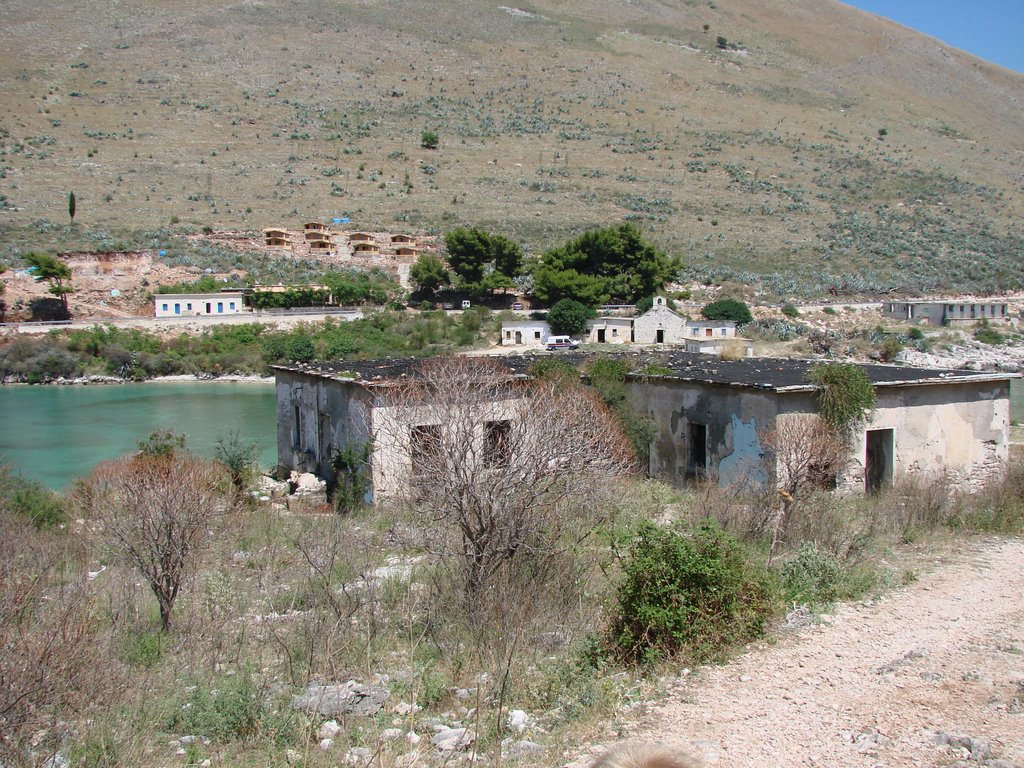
(709,415)
(274,237)
(938,313)
(609,330)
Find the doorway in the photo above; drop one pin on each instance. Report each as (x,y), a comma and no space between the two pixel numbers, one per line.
(600,335)
(697,455)
(519,337)
(660,336)
(878,459)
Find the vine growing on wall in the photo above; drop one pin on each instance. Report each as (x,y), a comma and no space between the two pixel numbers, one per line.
(352,481)
(845,393)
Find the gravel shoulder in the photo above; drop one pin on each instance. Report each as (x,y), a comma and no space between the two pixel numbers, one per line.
(879,683)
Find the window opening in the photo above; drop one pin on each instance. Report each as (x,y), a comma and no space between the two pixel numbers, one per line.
(497,448)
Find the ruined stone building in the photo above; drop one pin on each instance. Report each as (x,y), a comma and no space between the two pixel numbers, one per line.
(710,416)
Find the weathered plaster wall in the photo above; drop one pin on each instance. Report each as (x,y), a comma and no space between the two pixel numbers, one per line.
(528,333)
(334,415)
(463,428)
(733,417)
(959,432)
(617,330)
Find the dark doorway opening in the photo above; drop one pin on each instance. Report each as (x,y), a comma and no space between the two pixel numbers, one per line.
(660,338)
(878,459)
(600,335)
(697,457)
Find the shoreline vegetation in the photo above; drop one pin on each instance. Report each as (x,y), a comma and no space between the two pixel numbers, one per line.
(109,353)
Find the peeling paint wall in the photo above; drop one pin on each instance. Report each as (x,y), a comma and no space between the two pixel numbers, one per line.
(732,416)
(332,415)
(956,432)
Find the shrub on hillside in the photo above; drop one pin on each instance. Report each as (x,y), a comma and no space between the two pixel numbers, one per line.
(988,335)
(728,309)
(694,592)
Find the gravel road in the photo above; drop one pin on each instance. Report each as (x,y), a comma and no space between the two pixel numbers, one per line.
(930,675)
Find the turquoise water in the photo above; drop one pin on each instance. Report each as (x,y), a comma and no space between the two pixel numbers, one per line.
(57,433)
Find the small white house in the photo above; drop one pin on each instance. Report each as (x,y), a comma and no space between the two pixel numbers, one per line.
(197,304)
(610,330)
(710,329)
(524,333)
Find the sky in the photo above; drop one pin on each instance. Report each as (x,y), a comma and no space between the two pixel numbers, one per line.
(990,29)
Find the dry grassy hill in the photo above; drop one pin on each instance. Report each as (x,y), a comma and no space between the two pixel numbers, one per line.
(823,147)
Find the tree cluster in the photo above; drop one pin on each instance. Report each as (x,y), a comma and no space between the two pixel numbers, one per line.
(728,309)
(483,262)
(602,265)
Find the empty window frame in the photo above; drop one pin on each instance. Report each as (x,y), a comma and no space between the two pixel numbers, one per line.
(424,447)
(497,443)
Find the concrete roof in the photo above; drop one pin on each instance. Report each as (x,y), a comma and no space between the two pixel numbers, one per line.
(770,373)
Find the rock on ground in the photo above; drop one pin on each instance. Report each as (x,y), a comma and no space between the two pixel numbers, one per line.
(336,699)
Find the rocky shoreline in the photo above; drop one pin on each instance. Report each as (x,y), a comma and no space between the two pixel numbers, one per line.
(234,378)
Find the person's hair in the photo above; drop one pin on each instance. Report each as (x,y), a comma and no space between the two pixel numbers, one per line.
(644,756)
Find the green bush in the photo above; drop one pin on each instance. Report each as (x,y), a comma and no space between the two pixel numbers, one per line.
(813,576)
(695,592)
(235,708)
(916,334)
(429,140)
(607,376)
(790,311)
(31,500)
(569,317)
(988,335)
(845,393)
(890,348)
(728,309)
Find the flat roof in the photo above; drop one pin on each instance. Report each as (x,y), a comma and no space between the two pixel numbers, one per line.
(767,373)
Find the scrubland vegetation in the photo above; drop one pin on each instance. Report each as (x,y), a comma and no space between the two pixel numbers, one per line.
(244,349)
(765,170)
(636,583)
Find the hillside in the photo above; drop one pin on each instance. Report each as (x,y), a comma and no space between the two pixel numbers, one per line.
(824,147)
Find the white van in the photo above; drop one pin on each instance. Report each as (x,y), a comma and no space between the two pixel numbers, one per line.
(560,342)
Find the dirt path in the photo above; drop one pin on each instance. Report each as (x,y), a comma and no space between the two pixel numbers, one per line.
(874,684)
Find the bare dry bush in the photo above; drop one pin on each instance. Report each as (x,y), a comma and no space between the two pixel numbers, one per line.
(504,468)
(156,513)
(51,657)
(913,504)
(803,455)
(330,605)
